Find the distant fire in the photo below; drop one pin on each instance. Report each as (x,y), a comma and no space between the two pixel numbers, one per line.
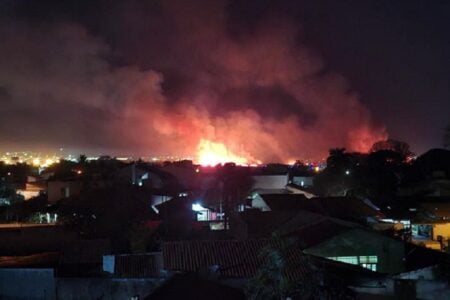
(210,154)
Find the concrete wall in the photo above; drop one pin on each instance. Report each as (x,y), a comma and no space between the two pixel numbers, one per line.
(304,181)
(270,181)
(104,288)
(424,289)
(432,289)
(258,202)
(55,193)
(29,284)
(442,230)
(40,284)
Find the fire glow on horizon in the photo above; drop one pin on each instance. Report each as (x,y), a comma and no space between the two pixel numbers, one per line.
(212,153)
(265,97)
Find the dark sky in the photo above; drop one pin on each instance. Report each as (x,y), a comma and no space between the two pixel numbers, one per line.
(270,79)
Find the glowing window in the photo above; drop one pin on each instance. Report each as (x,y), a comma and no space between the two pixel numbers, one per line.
(367,261)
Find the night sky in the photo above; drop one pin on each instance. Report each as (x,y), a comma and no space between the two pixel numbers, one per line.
(271,80)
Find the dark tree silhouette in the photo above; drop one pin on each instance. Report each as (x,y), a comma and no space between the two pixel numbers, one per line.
(393,145)
(446,141)
(233,184)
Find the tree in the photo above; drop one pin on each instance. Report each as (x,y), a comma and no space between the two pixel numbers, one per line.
(112,212)
(338,176)
(230,188)
(82,159)
(273,279)
(393,145)
(234,185)
(446,141)
(338,159)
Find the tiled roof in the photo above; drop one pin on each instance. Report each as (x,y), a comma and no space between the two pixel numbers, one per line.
(340,207)
(436,209)
(417,257)
(262,224)
(346,207)
(289,201)
(138,265)
(321,231)
(234,258)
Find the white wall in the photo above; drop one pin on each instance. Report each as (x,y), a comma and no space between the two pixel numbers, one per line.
(54,189)
(270,181)
(304,181)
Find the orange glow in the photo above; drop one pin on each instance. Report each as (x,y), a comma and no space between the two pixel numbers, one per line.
(211,154)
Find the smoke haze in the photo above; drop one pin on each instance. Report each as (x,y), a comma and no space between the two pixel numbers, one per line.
(177,73)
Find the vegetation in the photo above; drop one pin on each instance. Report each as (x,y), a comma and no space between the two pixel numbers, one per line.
(111,212)
(374,175)
(446,140)
(272,280)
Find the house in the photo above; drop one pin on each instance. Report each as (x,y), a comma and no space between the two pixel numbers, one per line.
(238,259)
(140,174)
(236,262)
(145,265)
(270,182)
(185,172)
(177,216)
(347,208)
(346,243)
(426,219)
(271,202)
(149,176)
(296,189)
(436,186)
(32,189)
(251,224)
(432,175)
(45,276)
(304,181)
(185,215)
(423,283)
(62,189)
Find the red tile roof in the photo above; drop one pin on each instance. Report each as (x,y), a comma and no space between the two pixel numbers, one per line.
(235,258)
(138,265)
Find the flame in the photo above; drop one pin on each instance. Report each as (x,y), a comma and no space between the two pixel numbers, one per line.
(210,154)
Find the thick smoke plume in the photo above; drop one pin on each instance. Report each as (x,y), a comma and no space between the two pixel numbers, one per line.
(175,75)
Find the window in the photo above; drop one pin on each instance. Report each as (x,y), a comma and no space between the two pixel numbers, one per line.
(347,259)
(368,259)
(372,267)
(65,192)
(368,262)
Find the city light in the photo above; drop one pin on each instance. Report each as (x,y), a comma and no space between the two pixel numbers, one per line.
(36,162)
(197,207)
